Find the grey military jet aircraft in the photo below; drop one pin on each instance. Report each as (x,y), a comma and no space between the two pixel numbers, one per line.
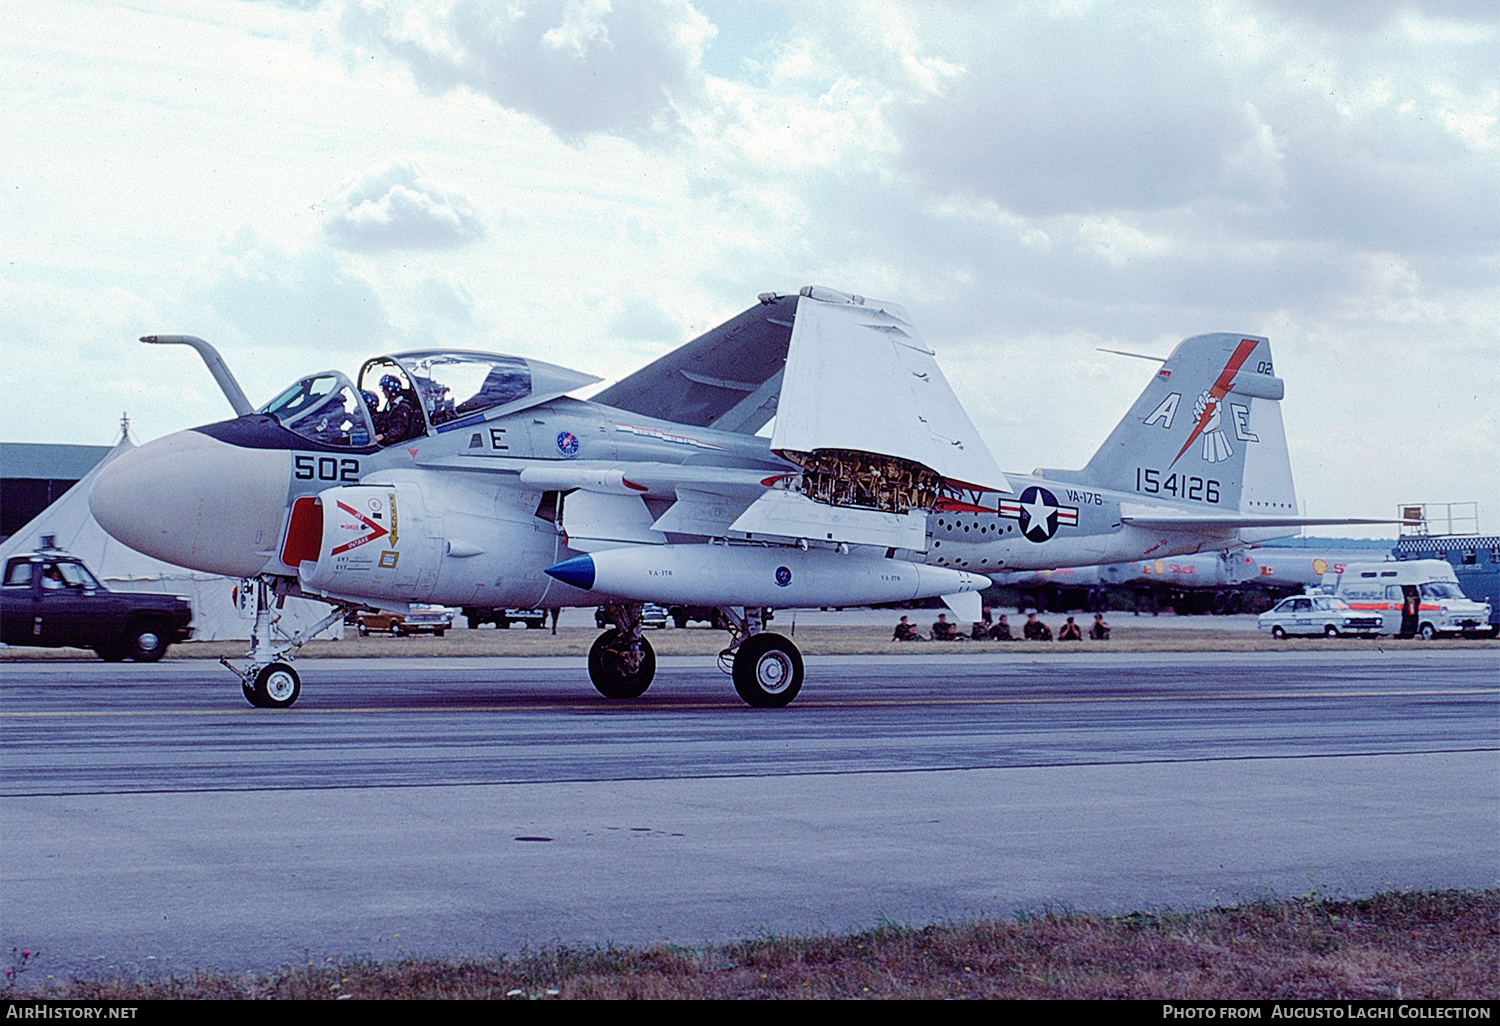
(473,479)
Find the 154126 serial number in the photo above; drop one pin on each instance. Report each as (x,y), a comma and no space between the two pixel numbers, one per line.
(1179,486)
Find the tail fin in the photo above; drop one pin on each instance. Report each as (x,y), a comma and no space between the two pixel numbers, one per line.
(1207,428)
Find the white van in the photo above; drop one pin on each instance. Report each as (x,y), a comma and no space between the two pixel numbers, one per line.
(1423,592)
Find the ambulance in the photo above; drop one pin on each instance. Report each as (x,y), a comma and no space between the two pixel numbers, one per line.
(1423,592)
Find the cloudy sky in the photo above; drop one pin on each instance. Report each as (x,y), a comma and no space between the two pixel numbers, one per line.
(592,183)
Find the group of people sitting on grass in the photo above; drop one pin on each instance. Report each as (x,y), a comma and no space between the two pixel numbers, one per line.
(999,630)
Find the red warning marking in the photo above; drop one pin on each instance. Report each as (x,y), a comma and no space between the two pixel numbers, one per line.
(958,506)
(376,531)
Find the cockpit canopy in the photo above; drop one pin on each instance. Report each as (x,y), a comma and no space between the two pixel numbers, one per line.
(446,390)
(324,408)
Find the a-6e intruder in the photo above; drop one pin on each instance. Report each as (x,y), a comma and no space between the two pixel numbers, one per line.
(473,479)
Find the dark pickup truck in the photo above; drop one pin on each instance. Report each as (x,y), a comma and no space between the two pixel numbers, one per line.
(51,599)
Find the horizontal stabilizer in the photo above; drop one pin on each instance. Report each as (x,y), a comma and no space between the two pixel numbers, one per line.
(1161,519)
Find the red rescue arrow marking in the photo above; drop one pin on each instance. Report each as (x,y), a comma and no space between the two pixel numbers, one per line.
(376,530)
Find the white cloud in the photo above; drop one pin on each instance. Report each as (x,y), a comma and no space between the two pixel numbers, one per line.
(399,207)
(297,301)
(579,66)
(1370,15)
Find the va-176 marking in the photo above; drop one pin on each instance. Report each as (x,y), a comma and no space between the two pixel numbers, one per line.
(873,487)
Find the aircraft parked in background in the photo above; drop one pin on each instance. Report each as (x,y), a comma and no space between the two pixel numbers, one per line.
(472,479)
(1223,581)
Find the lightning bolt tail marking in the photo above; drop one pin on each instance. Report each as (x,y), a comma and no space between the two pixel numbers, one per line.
(1219,390)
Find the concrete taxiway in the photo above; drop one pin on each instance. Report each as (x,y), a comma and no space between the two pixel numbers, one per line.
(151,821)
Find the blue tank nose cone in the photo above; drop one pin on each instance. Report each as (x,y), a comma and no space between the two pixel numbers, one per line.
(578,571)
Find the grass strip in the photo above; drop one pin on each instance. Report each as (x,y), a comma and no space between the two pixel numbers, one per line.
(813,640)
(1398,945)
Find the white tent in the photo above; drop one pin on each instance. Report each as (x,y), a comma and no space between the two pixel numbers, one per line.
(72,527)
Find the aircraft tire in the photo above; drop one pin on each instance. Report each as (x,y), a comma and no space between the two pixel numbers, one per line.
(605,672)
(276,687)
(767,671)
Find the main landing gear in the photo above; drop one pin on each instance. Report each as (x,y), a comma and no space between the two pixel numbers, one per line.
(267,681)
(766,667)
(621,661)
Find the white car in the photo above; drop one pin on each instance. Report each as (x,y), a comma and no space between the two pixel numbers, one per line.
(1318,614)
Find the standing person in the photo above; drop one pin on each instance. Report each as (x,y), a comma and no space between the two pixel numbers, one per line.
(1411,607)
(552,615)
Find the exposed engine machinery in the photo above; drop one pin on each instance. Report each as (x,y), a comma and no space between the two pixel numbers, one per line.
(845,477)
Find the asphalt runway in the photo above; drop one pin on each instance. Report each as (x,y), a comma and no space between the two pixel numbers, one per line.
(151,821)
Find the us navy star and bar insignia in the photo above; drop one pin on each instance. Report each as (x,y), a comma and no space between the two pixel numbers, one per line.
(1039,513)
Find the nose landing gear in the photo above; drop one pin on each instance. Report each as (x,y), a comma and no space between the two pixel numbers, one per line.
(276,687)
(267,681)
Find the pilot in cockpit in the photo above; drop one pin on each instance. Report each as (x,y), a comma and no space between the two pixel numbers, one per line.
(402,420)
(372,406)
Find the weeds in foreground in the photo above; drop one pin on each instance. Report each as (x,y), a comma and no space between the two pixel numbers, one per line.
(20,961)
(1391,946)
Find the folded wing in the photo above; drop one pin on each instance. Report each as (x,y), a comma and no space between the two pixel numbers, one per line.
(727,378)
